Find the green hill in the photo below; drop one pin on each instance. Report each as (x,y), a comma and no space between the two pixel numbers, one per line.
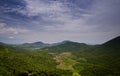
(16,61)
(64,59)
(67,47)
(33,46)
(102,60)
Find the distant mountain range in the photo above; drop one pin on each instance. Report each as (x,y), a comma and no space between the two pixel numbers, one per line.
(35,45)
(40,44)
(65,45)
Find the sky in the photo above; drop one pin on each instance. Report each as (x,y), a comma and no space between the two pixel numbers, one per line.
(50,21)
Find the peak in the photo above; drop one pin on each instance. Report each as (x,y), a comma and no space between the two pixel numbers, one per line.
(117,37)
(1,43)
(113,42)
(65,41)
(39,42)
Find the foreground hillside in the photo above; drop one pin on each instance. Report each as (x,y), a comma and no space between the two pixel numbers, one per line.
(103,59)
(67,59)
(27,63)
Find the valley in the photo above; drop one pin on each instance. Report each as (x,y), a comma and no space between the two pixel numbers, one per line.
(66,59)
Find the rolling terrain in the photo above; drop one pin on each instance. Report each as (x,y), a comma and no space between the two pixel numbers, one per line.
(63,59)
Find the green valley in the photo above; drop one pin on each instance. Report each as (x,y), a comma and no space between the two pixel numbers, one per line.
(67,59)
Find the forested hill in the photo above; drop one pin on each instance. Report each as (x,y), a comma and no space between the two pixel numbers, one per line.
(104,58)
(67,47)
(66,59)
(114,43)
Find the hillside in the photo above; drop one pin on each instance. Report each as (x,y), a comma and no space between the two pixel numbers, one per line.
(104,58)
(63,59)
(97,60)
(68,46)
(113,44)
(15,61)
(35,45)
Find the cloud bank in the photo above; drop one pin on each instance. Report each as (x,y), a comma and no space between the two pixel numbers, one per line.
(89,21)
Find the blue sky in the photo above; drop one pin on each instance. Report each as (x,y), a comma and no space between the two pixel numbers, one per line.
(88,21)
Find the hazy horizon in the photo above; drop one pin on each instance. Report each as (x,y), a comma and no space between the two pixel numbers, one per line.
(58,42)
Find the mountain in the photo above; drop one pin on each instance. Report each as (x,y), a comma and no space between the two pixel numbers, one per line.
(109,49)
(59,43)
(67,46)
(1,43)
(104,58)
(97,60)
(35,45)
(114,43)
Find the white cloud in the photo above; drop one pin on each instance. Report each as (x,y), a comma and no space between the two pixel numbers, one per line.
(36,7)
(59,14)
(53,10)
(11,37)
(71,25)
(4,29)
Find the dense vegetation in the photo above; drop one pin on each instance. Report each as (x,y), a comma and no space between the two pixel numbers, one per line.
(67,47)
(68,59)
(15,63)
